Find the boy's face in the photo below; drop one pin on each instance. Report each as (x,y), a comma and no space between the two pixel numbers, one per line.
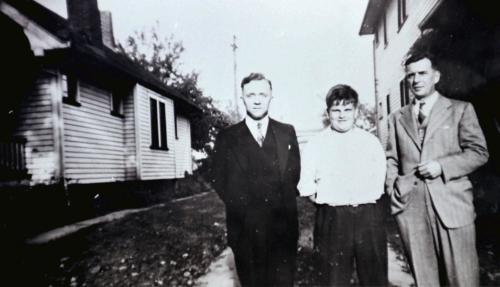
(342,116)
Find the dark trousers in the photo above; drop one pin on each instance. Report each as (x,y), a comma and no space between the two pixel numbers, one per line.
(265,253)
(344,234)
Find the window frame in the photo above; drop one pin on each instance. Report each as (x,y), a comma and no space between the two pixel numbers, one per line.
(404,92)
(176,127)
(384,24)
(402,13)
(116,111)
(388,104)
(380,108)
(158,122)
(70,90)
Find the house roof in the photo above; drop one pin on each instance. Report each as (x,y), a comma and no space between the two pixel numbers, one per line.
(44,17)
(372,15)
(84,54)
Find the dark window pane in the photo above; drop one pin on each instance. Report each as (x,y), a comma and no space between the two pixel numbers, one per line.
(163,126)
(154,123)
(388,104)
(386,41)
(117,103)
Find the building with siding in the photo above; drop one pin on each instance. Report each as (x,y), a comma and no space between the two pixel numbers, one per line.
(470,57)
(465,37)
(81,116)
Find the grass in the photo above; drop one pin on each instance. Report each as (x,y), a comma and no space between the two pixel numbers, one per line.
(169,245)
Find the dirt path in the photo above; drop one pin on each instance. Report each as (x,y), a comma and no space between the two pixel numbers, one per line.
(222,272)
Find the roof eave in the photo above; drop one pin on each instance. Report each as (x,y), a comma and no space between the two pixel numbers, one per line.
(371,17)
(84,54)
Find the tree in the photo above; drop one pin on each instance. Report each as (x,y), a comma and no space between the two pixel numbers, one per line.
(161,57)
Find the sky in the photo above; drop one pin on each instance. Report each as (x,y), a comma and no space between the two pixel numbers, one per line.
(303,47)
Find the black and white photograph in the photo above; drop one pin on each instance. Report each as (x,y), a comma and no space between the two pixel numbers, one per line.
(249,143)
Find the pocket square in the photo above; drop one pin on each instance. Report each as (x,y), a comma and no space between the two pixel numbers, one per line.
(289,147)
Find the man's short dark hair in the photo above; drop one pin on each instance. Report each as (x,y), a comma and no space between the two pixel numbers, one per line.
(417,56)
(341,95)
(255,77)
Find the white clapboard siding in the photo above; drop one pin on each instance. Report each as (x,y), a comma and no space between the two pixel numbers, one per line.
(94,149)
(37,127)
(389,59)
(154,164)
(183,147)
(130,140)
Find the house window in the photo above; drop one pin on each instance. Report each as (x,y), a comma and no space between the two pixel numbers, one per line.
(116,102)
(384,24)
(388,99)
(404,92)
(158,124)
(380,113)
(176,135)
(401,13)
(70,90)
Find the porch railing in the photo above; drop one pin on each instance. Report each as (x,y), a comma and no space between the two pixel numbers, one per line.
(12,158)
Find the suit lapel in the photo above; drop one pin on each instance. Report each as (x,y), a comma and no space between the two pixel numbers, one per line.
(240,149)
(282,144)
(439,113)
(408,122)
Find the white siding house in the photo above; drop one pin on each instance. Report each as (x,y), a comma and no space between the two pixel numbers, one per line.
(94,140)
(156,162)
(36,126)
(395,30)
(93,116)
(183,158)
(464,37)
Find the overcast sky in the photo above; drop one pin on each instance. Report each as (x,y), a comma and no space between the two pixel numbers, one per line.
(304,47)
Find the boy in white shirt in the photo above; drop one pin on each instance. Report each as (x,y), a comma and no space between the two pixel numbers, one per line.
(343,172)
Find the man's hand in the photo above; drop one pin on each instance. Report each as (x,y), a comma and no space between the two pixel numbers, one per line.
(430,170)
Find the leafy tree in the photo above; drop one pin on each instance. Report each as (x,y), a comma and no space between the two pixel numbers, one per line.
(162,57)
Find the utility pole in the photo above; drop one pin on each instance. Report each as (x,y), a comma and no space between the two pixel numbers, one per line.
(234,46)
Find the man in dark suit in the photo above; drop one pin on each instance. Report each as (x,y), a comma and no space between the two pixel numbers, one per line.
(256,171)
(434,143)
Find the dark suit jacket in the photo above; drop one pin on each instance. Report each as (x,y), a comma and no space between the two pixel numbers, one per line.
(231,178)
(454,139)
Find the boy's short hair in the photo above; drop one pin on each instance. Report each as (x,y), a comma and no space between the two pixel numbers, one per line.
(341,95)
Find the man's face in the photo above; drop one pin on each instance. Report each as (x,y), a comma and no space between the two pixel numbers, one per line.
(422,77)
(256,98)
(342,116)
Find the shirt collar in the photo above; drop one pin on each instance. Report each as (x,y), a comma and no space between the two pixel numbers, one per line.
(251,122)
(429,100)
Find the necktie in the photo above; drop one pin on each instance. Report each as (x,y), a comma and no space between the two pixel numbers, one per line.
(260,134)
(421,116)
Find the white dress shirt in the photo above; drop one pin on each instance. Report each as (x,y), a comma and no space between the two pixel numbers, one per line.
(254,130)
(429,103)
(343,168)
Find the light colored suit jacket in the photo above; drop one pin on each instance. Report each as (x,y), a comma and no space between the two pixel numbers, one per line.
(454,139)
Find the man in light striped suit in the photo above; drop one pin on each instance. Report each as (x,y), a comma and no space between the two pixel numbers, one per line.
(434,143)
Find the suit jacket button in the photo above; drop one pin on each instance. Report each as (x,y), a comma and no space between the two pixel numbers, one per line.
(415,183)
